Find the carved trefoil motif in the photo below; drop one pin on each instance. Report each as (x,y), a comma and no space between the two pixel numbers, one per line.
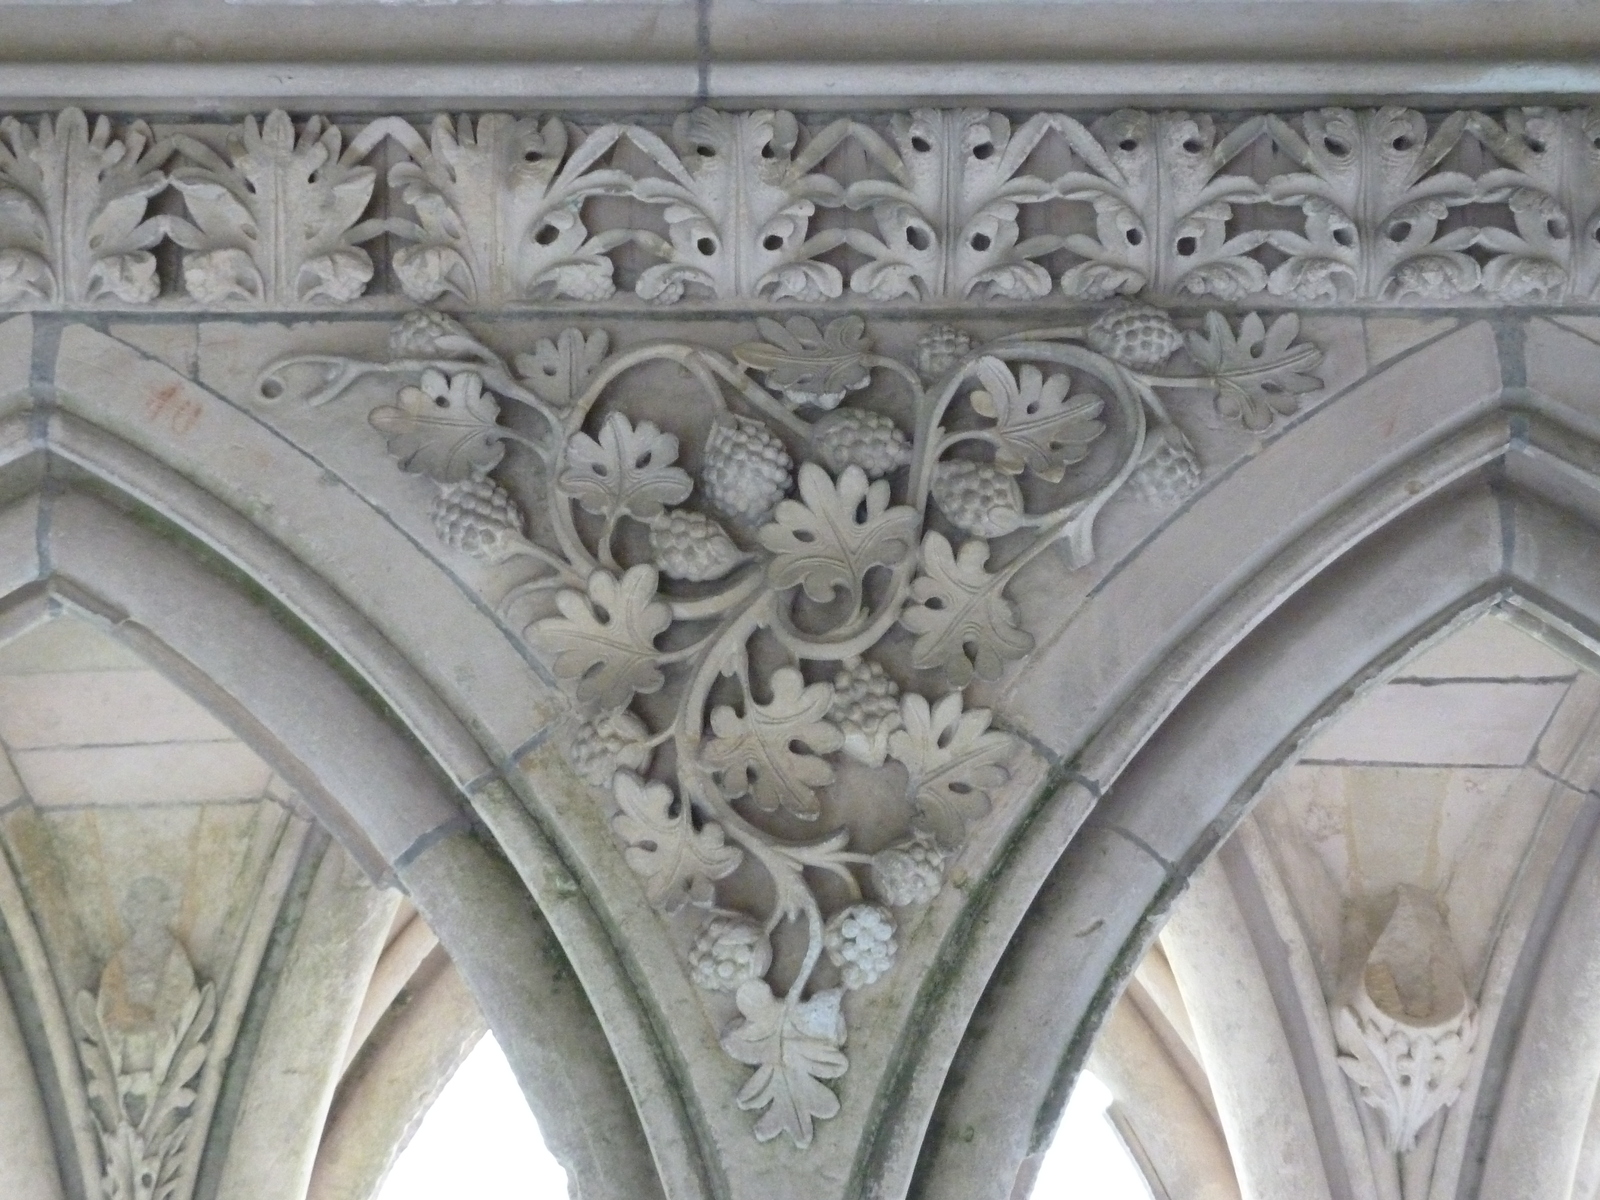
(1408,1033)
(720,611)
(143,1038)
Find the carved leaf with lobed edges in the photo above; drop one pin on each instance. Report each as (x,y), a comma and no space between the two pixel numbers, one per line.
(829,539)
(677,859)
(1038,424)
(276,217)
(628,470)
(792,1046)
(954,760)
(757,753)
(964,624)
(73,203)
(603,642)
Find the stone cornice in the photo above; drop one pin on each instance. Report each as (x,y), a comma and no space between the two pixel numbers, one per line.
(933,208)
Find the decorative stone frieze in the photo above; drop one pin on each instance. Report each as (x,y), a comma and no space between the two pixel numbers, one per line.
(766,625)
(931,207)
(1408,1034)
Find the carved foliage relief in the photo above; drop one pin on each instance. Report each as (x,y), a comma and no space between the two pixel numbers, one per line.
(766,578)
(932,206)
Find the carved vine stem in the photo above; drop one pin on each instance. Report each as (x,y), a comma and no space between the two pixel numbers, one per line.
(776,572)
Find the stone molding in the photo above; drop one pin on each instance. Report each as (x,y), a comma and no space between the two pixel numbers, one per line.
(934,208)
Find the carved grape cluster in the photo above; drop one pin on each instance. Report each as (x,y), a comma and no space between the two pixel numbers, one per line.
(751,600)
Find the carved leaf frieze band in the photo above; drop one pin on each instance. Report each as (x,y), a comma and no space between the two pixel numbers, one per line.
(771,610)
(934,206)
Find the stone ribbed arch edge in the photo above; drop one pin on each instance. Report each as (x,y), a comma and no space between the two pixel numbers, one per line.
(928,208)
(280,698)
(1421,568)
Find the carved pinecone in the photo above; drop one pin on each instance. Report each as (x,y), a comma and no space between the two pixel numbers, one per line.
(1170,471)
(853,438)
(910,873)
(866,708)
(940,349)
(602,745)
(977,497)
(729,951)
(860,942)
(477,516)
(746,470)
(686,545)
(1136,335)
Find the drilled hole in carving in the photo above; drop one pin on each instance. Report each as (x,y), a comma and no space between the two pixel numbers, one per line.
(921,145)
(1192,145)
(271,389)
(1128,145)
(772,242)
(1134,236)
(1345,236)
(706,246)
(768,152)
(1337,147)
(1187,246)
(1595,233)
(706,151)
(1556,227)
(980,241)
(1403,143)
(1399,231)
(531,156)
(1534,144)
(983,150)
(547,234)
(917,237)
(441,401)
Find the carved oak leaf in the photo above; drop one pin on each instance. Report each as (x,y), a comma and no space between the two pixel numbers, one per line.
(835,533)
(792,1048)
(446,429)
(756,752)
(1037,424)
(604,642)
(954,760)
(677,860)
(808,365)
(1261,372)
(558,370)
(963,622)
(278,220)
(627,471)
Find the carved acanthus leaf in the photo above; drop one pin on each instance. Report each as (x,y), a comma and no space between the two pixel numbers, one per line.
(947,217)
(1162,206)
(276,217)
(72,210)
(499,210)
(1373,204)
